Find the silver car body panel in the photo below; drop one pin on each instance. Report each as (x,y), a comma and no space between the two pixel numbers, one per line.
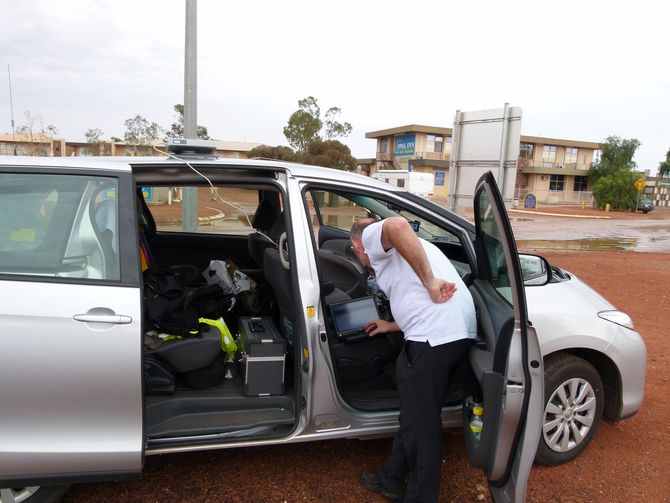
(71,391)
(564,315)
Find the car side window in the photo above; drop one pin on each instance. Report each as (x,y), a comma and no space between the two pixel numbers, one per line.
(494,251)
(59,226)
(222,210)
(334,210)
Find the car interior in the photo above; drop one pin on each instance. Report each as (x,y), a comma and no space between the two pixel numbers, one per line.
(364,367)
(191,390)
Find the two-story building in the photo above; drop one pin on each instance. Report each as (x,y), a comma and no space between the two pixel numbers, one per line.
(555,170)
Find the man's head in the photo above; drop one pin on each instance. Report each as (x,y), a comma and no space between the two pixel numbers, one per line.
(357,240)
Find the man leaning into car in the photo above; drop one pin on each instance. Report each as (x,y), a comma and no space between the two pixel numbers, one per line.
(434,309)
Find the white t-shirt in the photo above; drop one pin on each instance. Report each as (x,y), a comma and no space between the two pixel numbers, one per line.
(414,311)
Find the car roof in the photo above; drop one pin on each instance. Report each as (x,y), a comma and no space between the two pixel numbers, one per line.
(126,164)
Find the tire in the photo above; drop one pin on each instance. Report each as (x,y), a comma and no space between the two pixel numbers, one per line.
(573,406)
(35,494)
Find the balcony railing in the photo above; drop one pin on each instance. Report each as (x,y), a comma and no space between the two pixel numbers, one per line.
(384,156)
(560,165)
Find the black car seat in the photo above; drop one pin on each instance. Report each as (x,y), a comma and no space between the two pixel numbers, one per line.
(265,220)
(279,279)
(345,273)
(106,226)
(189,353)
(179,356)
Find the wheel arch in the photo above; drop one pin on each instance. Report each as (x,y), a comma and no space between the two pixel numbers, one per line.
(608,372)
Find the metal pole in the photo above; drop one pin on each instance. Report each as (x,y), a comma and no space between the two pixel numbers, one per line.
(11,107)
(503,151)
(190,72)
(453,164)
(11,99)
(189,209)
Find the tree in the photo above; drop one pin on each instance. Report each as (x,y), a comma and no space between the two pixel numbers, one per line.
(617,189)
(664,167)
(35,130)
(613,177)
(331,154)
(141,135)
(95,141)
(305,125)
(279,153)
(334,128)
(177,128)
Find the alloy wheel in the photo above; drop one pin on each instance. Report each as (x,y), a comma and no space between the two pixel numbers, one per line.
(569,415)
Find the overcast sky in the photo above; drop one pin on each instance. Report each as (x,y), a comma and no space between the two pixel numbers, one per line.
(580,70)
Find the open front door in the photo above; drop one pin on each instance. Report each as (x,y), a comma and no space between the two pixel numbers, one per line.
(506,360)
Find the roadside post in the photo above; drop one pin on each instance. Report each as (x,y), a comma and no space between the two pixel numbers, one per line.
(639,185)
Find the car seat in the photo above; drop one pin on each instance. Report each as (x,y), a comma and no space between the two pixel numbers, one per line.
(179,356)
(266,221)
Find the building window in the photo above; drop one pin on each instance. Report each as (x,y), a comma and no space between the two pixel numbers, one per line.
(526,150)
(581,182)
(434,143)
(384,145)
(447,147)
(571,155)
(556,183)
(549,153)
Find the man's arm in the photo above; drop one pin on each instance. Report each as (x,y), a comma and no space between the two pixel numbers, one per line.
(397,233)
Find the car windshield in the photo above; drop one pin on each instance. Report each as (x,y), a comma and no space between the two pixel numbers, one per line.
(384,209)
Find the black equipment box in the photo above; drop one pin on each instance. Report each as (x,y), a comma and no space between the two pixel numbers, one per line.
(263,355)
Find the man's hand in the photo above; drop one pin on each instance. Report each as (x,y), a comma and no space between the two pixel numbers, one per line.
(440,290)
(376,327)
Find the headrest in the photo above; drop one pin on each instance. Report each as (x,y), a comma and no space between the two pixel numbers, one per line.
(265,216)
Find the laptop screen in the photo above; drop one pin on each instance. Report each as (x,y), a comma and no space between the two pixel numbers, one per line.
(353,315)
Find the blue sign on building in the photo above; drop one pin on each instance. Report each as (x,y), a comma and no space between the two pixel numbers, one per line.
(530,201)
(439,178)
(404,145)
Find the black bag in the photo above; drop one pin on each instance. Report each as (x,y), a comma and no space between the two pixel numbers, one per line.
(174,307)
(208,376)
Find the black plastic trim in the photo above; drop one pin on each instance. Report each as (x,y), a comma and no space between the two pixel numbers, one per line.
(56,479)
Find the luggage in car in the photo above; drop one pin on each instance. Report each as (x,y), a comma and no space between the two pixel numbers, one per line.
(207,376)
(263,354)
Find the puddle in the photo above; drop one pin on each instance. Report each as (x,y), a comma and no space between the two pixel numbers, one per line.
(590,244)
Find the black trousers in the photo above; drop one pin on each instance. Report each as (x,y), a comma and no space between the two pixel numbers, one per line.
(422,375)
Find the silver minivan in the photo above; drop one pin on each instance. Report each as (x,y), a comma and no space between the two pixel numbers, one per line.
(80,399)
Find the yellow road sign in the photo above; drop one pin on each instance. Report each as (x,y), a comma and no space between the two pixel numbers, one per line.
(639,184)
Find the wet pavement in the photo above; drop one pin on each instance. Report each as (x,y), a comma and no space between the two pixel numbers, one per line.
(542,232)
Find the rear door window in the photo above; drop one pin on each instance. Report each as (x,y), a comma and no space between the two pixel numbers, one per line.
(59,226)
(219,210)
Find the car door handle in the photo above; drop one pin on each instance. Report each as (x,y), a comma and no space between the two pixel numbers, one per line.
(116,319)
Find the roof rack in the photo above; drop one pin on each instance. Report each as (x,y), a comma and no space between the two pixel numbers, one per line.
(187,146)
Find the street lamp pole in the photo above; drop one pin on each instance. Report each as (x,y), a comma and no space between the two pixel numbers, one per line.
(190,194)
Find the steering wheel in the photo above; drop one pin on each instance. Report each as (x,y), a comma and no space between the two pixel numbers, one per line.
(283,251)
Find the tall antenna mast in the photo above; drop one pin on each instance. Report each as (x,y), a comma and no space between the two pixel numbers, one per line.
(11,101)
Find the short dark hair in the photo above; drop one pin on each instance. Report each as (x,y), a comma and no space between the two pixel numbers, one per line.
(359,226)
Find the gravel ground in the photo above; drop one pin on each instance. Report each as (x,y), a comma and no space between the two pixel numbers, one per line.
(628,461)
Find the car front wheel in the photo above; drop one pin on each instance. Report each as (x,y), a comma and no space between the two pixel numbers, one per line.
(34,494)
(573,406)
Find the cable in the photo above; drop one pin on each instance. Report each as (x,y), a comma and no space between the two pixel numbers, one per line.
(215,191)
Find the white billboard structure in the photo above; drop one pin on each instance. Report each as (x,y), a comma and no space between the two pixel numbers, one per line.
(484,140)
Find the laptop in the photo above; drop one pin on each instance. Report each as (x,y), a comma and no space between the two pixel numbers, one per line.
(351,316)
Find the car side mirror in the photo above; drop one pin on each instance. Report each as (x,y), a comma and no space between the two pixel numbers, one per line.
(535,270)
